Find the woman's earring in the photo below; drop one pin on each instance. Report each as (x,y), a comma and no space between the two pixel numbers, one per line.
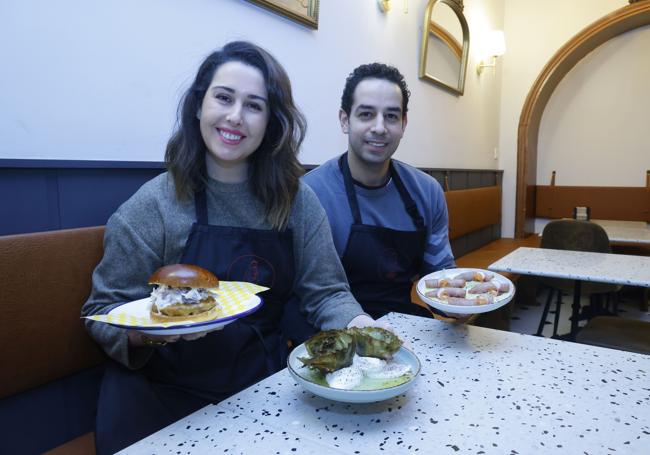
(198,114)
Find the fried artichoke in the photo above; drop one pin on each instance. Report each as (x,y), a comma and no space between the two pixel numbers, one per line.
(330,350)
(375,342)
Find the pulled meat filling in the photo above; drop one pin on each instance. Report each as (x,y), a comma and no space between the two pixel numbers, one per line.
(164,296)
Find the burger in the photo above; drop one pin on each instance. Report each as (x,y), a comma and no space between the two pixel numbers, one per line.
(183,292)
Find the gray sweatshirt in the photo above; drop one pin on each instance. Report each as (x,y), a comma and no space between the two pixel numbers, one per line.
(151,228)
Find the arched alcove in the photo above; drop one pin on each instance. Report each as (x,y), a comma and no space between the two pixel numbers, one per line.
(620,21)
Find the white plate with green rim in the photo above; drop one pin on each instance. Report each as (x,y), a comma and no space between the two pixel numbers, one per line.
(369,391)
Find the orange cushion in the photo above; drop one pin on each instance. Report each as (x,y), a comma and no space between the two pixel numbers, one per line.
(45,278)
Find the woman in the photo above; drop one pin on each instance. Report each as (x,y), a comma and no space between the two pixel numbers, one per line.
(231,202)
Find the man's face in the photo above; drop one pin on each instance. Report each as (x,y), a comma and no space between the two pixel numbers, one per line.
(376,122)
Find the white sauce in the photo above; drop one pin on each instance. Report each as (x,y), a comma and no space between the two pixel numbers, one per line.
(345,378)
(390,371)
(368,364)
(351,377)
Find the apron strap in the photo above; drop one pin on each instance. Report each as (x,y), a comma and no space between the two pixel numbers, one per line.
(201,206)
(349,188)
(409,204)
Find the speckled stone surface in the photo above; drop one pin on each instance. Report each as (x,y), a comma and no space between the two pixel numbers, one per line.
(481,391)
(633,232)
(578,265)
(622,223)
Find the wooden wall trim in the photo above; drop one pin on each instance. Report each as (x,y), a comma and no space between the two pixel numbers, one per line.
(620,21)
(605,202)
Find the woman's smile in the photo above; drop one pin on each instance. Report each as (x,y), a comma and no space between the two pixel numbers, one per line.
(230,137)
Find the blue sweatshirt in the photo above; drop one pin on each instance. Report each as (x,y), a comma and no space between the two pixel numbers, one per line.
(384,207)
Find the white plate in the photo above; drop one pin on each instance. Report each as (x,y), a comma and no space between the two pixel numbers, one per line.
(309,379)
(441,305)
(140,308)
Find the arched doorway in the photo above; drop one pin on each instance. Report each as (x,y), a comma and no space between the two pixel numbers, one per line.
(620,21)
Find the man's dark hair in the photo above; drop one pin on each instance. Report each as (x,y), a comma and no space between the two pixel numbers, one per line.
(373,71)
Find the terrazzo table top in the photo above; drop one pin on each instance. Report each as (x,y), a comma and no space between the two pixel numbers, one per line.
(577,265)
(622,223)
(633,232)
(481,391)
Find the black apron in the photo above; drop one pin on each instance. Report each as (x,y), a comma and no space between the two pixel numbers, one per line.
(184,376)
(380,262)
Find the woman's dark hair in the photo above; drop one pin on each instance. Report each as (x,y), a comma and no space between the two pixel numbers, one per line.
(373,71)
(274,167)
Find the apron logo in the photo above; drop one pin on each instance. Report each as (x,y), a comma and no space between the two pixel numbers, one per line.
(391,264)
(252,269)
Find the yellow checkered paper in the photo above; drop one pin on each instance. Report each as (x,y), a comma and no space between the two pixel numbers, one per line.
(234,297)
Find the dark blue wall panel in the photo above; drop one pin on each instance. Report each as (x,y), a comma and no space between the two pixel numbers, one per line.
(39,195)
(90,196)
(28,201)
(43,195)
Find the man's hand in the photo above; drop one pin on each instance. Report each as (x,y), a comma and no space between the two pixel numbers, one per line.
(456,318)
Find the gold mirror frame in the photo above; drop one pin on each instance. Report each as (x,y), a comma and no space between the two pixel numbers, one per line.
(303,11)
(461,51)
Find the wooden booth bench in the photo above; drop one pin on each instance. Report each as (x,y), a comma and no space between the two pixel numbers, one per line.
(51,368)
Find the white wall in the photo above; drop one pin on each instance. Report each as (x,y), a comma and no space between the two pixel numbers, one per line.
(534,32)
(595,128)
(101,80)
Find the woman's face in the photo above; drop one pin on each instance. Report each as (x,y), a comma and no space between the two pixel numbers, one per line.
(233,116)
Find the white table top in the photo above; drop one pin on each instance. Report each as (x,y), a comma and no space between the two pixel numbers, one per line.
(481,391)
(626,231)
(623,224)
(577,265)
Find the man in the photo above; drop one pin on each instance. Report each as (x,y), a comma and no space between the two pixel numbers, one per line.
(389,220)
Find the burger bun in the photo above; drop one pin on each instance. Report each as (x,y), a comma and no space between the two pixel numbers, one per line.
(184,276)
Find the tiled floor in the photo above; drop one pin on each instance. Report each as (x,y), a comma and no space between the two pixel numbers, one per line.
(525,318)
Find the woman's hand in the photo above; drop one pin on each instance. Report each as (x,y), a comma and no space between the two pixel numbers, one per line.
(138,339)
(363,320)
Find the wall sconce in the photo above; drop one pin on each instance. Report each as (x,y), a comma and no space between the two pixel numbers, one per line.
(384,5)
(495,46)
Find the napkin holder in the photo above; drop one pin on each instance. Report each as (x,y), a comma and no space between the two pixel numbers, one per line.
(582,213)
